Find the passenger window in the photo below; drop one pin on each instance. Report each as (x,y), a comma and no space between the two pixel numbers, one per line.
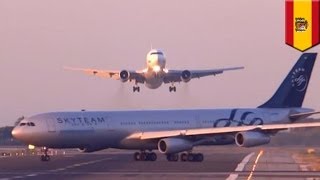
(22,124)
(32,124)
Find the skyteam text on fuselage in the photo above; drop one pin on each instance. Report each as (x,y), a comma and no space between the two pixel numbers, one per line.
(174,132)
(155,74)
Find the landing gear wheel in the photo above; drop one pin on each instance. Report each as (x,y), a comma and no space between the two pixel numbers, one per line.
(136,156)
(199,157)
(143,156)
(191,157)
(184,157)
(172,88)
(173,157)
(152,156)
(45,156)
(136,88)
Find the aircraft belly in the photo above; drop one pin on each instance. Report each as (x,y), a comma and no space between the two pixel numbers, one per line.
(153,81)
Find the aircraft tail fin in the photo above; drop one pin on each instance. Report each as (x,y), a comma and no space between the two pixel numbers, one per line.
(292,91)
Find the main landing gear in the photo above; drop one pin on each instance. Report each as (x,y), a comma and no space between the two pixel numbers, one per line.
(45,156)
(172,88)
(136,88)
(192,157)
(151,156)
(145,156)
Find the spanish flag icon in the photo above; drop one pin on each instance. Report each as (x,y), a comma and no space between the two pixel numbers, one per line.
(302,23)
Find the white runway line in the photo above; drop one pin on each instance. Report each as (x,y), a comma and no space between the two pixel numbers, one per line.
(240,167)
(58,170)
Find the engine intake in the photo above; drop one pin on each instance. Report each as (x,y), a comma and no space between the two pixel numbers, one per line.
(186,76)
(251,138)
(174,145)
(124,75)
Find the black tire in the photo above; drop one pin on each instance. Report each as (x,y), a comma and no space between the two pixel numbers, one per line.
(143,157)
(183,157)
(191,157)
(175,157)
(199,157)
(42,158)
(152,156)
(47,158)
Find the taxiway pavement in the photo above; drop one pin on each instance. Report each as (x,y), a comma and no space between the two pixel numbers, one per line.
(224,162)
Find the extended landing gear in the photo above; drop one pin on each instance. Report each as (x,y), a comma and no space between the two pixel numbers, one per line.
(136,88)
(172,88)
(145,156)
(192,157)
(45,156)
(173,157)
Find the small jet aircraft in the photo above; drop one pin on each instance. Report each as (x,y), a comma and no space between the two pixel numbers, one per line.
(174,133)
(155,74)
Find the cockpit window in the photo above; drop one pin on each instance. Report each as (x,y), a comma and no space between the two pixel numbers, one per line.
(31,124)
(160,53)
(27,124)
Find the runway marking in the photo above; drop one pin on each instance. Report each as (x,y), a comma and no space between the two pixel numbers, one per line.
(79,164)
(240,167)
(57,170)
(255,165)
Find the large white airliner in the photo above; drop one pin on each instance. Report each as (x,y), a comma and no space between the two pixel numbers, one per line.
(174,131)
(155,73)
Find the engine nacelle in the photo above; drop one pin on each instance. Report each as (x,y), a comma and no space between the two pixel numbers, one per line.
(91,149)
(124,75)
(251,138)
(186,76)
(174,145)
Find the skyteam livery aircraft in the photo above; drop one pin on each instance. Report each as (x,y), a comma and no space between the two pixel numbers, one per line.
(174,131)
(155,74)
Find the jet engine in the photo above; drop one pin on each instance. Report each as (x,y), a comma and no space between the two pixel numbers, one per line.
(251,138)
(124,75)
(90,149)
(186,76)
(174,145)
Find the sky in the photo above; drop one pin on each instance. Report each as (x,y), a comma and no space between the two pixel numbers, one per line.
(39,37)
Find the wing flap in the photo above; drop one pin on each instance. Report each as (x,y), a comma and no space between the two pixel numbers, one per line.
(175,75)
(97,72)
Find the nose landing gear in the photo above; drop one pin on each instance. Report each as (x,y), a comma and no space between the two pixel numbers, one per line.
(45,156)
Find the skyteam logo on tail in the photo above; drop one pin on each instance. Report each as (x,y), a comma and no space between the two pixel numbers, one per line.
(299,80)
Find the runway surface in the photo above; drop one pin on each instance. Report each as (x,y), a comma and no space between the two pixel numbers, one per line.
(226,162)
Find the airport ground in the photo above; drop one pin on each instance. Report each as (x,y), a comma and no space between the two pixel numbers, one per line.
(221,162)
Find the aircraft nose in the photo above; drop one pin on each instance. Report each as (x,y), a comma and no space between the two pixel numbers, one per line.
(15,133)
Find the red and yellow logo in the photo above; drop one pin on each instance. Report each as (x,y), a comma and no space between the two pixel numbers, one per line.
(302,23)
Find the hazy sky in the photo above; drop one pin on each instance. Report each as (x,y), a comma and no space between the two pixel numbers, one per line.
(39,37)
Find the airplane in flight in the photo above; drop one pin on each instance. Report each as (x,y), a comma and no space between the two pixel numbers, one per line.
(174,133)
(155,74)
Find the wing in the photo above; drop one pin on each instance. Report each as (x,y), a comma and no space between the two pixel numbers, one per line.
(178,75)
(219,130)
(134,75)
